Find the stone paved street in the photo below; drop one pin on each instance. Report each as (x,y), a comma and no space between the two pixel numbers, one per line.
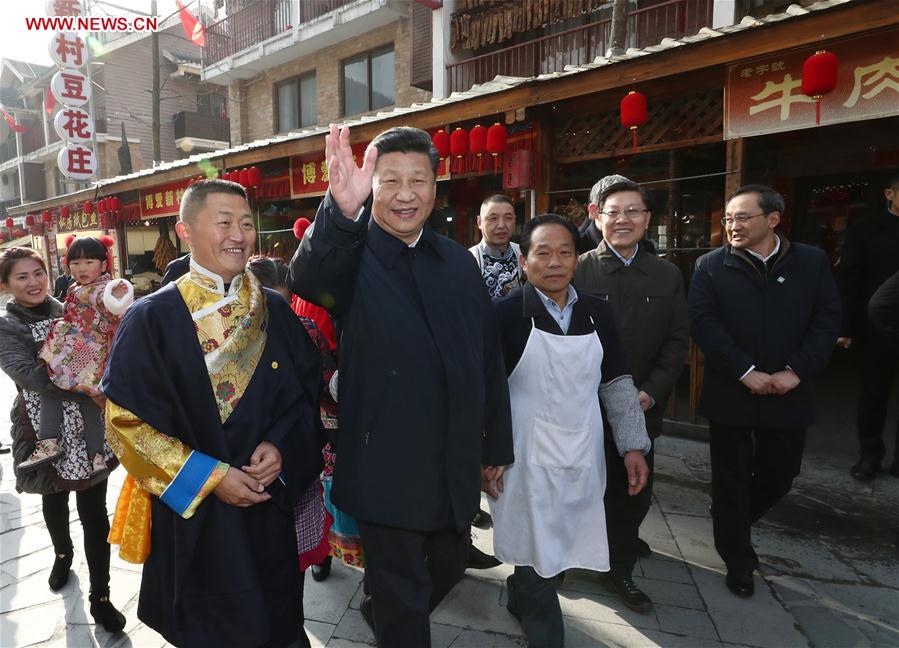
(829,575)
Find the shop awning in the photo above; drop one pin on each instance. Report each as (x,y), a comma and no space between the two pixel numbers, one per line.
(22,241)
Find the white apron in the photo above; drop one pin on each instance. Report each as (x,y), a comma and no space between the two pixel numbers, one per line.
(551,514)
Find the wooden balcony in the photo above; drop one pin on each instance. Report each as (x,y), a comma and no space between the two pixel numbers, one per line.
(581,45)
(201,127)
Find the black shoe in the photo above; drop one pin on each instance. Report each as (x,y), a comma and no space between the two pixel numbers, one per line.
(106,615)
(865,470)
(477,559)
(627,590)
(643,548)
(482,520)
(740,583)
(59,575)
(321,571)
(368,613)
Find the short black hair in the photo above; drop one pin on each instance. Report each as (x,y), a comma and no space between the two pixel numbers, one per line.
(271,273)
(769,200)
(194,197)
(497,198)
(86,247)
(406,139)
(545,219)
(624,185)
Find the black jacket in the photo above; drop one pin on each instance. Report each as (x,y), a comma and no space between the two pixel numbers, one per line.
(651,310)
(175,269)
(870,255)
(422,390)
(883,309)
(740,317)
(61,286)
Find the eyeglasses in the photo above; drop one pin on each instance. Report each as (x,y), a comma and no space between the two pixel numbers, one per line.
(740,219)
(630,213)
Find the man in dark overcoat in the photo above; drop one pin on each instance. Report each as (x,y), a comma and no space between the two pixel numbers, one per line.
(766,313)
(424,402)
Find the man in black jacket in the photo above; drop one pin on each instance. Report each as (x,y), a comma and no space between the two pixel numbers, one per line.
(765,313)
(870,255)
(425,412)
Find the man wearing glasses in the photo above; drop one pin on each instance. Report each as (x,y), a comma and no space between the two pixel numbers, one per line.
(646,294)
(766,314)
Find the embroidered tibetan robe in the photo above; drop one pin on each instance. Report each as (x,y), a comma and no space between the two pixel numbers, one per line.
(198,376)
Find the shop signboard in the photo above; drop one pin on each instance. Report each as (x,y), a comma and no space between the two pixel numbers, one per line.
(163,200)
(764,95)
(77,220)
(309,173)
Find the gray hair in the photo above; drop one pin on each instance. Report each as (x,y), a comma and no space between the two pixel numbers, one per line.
(604,183)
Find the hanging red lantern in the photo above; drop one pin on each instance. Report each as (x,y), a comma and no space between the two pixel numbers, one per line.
(88,207)
(115,204)
(819,77)
(244,178)
(497,136)
(63,212)
(9,223)
(459,146)
(441,140)
(254,176)
(633,112)
(101,206)
(47,218)
(477,144)
(29,220)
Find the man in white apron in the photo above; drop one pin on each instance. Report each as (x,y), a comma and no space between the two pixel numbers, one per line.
(562,355)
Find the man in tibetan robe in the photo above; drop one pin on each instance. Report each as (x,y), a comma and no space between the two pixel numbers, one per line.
(213,389)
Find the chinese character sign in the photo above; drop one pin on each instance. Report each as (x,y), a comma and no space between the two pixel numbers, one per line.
(63,8)
(77,162)
(765,95)
(161,201)
(68,50)
(73,125)
(71,88)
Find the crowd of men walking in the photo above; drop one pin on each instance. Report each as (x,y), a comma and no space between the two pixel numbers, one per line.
(539,374)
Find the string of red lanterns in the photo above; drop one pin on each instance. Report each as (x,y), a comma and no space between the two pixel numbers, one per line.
(478,142)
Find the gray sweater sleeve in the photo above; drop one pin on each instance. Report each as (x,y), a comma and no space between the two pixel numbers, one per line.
(619,398)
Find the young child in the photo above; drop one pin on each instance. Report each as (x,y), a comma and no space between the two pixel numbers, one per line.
(77,347)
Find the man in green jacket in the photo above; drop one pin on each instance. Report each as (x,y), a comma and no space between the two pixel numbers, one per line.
(647,295)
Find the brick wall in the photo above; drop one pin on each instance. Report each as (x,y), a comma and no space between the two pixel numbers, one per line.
(252,104)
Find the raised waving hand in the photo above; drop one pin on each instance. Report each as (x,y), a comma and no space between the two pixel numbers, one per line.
(350,185)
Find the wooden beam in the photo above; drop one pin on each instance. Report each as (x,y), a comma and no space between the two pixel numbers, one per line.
(698,141)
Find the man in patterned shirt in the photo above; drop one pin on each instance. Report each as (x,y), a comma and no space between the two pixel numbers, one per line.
(496,254)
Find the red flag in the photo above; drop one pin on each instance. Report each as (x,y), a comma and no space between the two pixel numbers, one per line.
(15,127)
(194,29)
(49,101)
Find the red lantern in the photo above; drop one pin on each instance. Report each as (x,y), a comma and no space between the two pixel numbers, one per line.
(63,212)
(819,77)
(29,221)
(47,218)
(101,206)
(254,176)
(244,178)
(115,204)
(497,136)
(9,223)
(88,207)
(477,143)
(633,112)
(441,141)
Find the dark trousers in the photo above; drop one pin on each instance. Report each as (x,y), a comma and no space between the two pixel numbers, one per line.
(91,505)
(879,365)
(91,416)
(409,573)
(533,599)
(624,513)
(752,469)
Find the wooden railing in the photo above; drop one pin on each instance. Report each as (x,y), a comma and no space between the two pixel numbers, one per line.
(580,45)
(258,22)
